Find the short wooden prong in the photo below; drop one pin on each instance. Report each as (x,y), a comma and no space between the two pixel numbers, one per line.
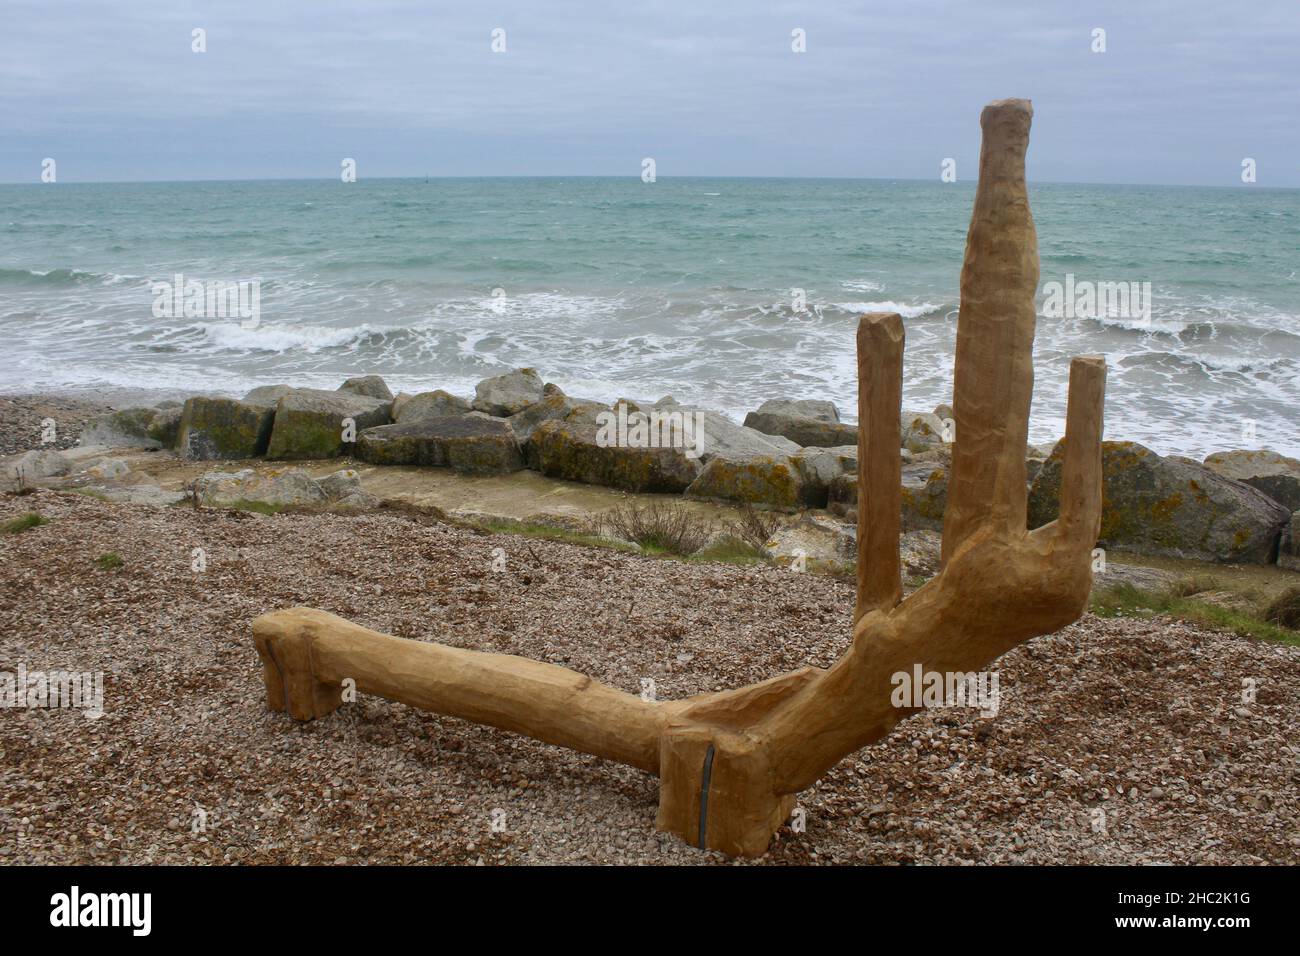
(880,476)
(1080,518)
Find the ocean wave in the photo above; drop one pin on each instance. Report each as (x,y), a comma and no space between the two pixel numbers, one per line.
(1190,330)
(902,308)
(1283,369)
(269,337)
(64,277)
(863,285)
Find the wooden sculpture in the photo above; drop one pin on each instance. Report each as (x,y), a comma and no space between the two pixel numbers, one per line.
(731,763)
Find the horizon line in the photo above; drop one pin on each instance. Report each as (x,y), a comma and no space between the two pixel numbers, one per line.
(633,176)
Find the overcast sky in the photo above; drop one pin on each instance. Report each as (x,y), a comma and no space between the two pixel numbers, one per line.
(1184,91)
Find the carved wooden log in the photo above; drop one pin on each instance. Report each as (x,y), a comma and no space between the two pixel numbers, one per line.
(731,763)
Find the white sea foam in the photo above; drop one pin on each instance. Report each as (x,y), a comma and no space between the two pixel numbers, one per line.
(863,285)
(271,337)
(902,308)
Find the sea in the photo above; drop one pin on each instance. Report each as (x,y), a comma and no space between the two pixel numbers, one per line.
(720,292)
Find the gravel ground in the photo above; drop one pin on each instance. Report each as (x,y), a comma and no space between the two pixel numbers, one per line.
(21,417)
(1142,719)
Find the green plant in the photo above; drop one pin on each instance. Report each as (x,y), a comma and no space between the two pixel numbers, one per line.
(108,561)
(22,523)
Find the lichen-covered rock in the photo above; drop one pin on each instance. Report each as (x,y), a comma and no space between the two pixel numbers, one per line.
(820,467)
(806,422)
(467,443)
(717,436)
(309,422)
(37,464)
(1161,506)
(925,495)
(124,428)
(269,395)
(813,541)
(816,409)
(508,394)
(435,404)
(215,429)
(1034,461)
(357,501)
(108,469)
(757,480)
(553,407)
(276,488)
(921,431)
(569,449)
(340,484)
(165,428)
(1276,475)
(372,386)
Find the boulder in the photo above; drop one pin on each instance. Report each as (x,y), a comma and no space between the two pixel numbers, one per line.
(289,486)
(126,428)
(399,402)
(1162,506)
(925,495)
(774,481)
(108,469)
(569,449)
(820,467)
(223,428)
(343,490)
(1034,461)
(468,443)
(435,404)
(38,463)
(372,386)
(340,484)
(806,422)
(1276,475)
(268,395)
(165,428)
(309,422)
(921,431)
(554,407)
(816,540)
(719,437)
(508,394)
